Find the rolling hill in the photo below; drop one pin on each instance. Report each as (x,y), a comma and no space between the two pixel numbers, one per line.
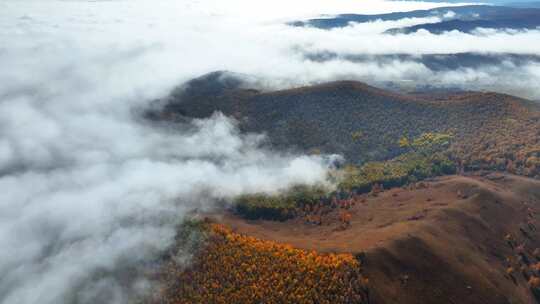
(456,239)
(361,122)
(468,238)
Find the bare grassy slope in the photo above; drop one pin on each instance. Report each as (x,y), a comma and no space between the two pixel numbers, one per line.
(440,242)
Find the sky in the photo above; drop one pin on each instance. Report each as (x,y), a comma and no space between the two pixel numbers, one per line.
(89,191)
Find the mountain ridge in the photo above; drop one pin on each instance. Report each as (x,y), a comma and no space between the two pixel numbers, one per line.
(361,122)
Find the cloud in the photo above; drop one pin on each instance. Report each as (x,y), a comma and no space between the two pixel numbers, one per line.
(449,15)
(90,192)
(379,26)
(365,39)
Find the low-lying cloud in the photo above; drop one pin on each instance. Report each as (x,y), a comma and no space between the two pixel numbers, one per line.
(91,192)
(67,227)
(366,39)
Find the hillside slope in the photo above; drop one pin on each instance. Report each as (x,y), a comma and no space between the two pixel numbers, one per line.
(351,118)
(468,238)
(451,240)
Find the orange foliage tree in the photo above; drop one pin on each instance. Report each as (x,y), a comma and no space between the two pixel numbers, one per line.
(234,268)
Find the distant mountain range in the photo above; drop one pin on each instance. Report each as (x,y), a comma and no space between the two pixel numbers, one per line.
(461,18)
(434,62)
(524,4)
(510,3)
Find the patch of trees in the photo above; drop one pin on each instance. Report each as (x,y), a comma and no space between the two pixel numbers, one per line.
(407,168)
(511,145)
(234,268)
(425,158)
(280,206)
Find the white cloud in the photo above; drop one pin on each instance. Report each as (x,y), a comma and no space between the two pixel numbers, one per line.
(449,15)
(379,26)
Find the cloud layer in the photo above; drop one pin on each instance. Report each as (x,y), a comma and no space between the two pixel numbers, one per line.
(90,194)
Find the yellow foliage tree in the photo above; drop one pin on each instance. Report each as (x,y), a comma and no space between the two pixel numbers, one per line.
(234,268)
